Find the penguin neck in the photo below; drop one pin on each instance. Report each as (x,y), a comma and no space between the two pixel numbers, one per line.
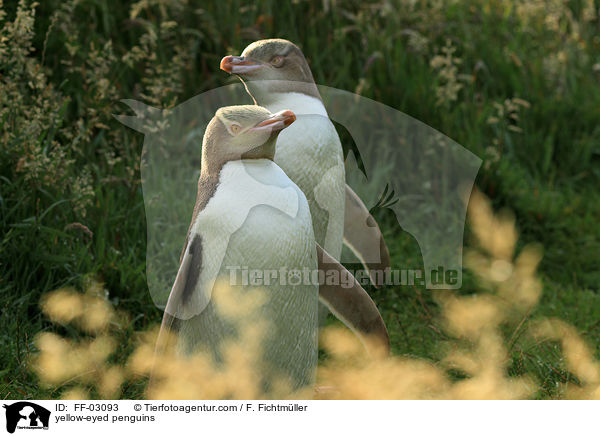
(297,102)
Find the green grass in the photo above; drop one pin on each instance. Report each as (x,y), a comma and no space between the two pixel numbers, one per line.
(548,174)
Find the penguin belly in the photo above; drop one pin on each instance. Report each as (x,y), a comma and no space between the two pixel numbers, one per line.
(269,241)
(310,153)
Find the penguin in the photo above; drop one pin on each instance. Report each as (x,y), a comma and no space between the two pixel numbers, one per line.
(276,75)
(250,214)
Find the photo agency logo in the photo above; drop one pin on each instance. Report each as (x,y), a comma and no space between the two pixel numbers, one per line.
(25,415)
(246,276)
(392,161)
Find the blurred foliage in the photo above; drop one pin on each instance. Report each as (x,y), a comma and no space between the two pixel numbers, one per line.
(514,81)
(476,347)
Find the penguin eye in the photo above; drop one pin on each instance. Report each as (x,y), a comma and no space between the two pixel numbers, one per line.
(234,129)
(277,61)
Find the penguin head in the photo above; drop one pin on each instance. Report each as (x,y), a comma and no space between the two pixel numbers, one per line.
(242,132)
(272,65)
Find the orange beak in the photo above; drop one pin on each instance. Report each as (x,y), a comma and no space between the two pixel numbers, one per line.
(278,121)
(238,65)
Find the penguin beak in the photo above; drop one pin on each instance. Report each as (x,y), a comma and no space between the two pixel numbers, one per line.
(238,65)
(278,121)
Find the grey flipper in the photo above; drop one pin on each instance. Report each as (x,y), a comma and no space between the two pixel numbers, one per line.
(185,282)
(352,305)
(363,236)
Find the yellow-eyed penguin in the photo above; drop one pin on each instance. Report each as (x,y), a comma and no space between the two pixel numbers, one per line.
(249,214)
(277,76)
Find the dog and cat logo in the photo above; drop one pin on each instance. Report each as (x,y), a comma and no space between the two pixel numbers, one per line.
(26,415)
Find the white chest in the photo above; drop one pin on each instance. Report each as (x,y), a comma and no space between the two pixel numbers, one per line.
(311,144)
(310,153)
(257,218)
(244,185)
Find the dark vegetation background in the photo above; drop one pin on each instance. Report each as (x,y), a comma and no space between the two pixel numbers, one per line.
(516,82)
